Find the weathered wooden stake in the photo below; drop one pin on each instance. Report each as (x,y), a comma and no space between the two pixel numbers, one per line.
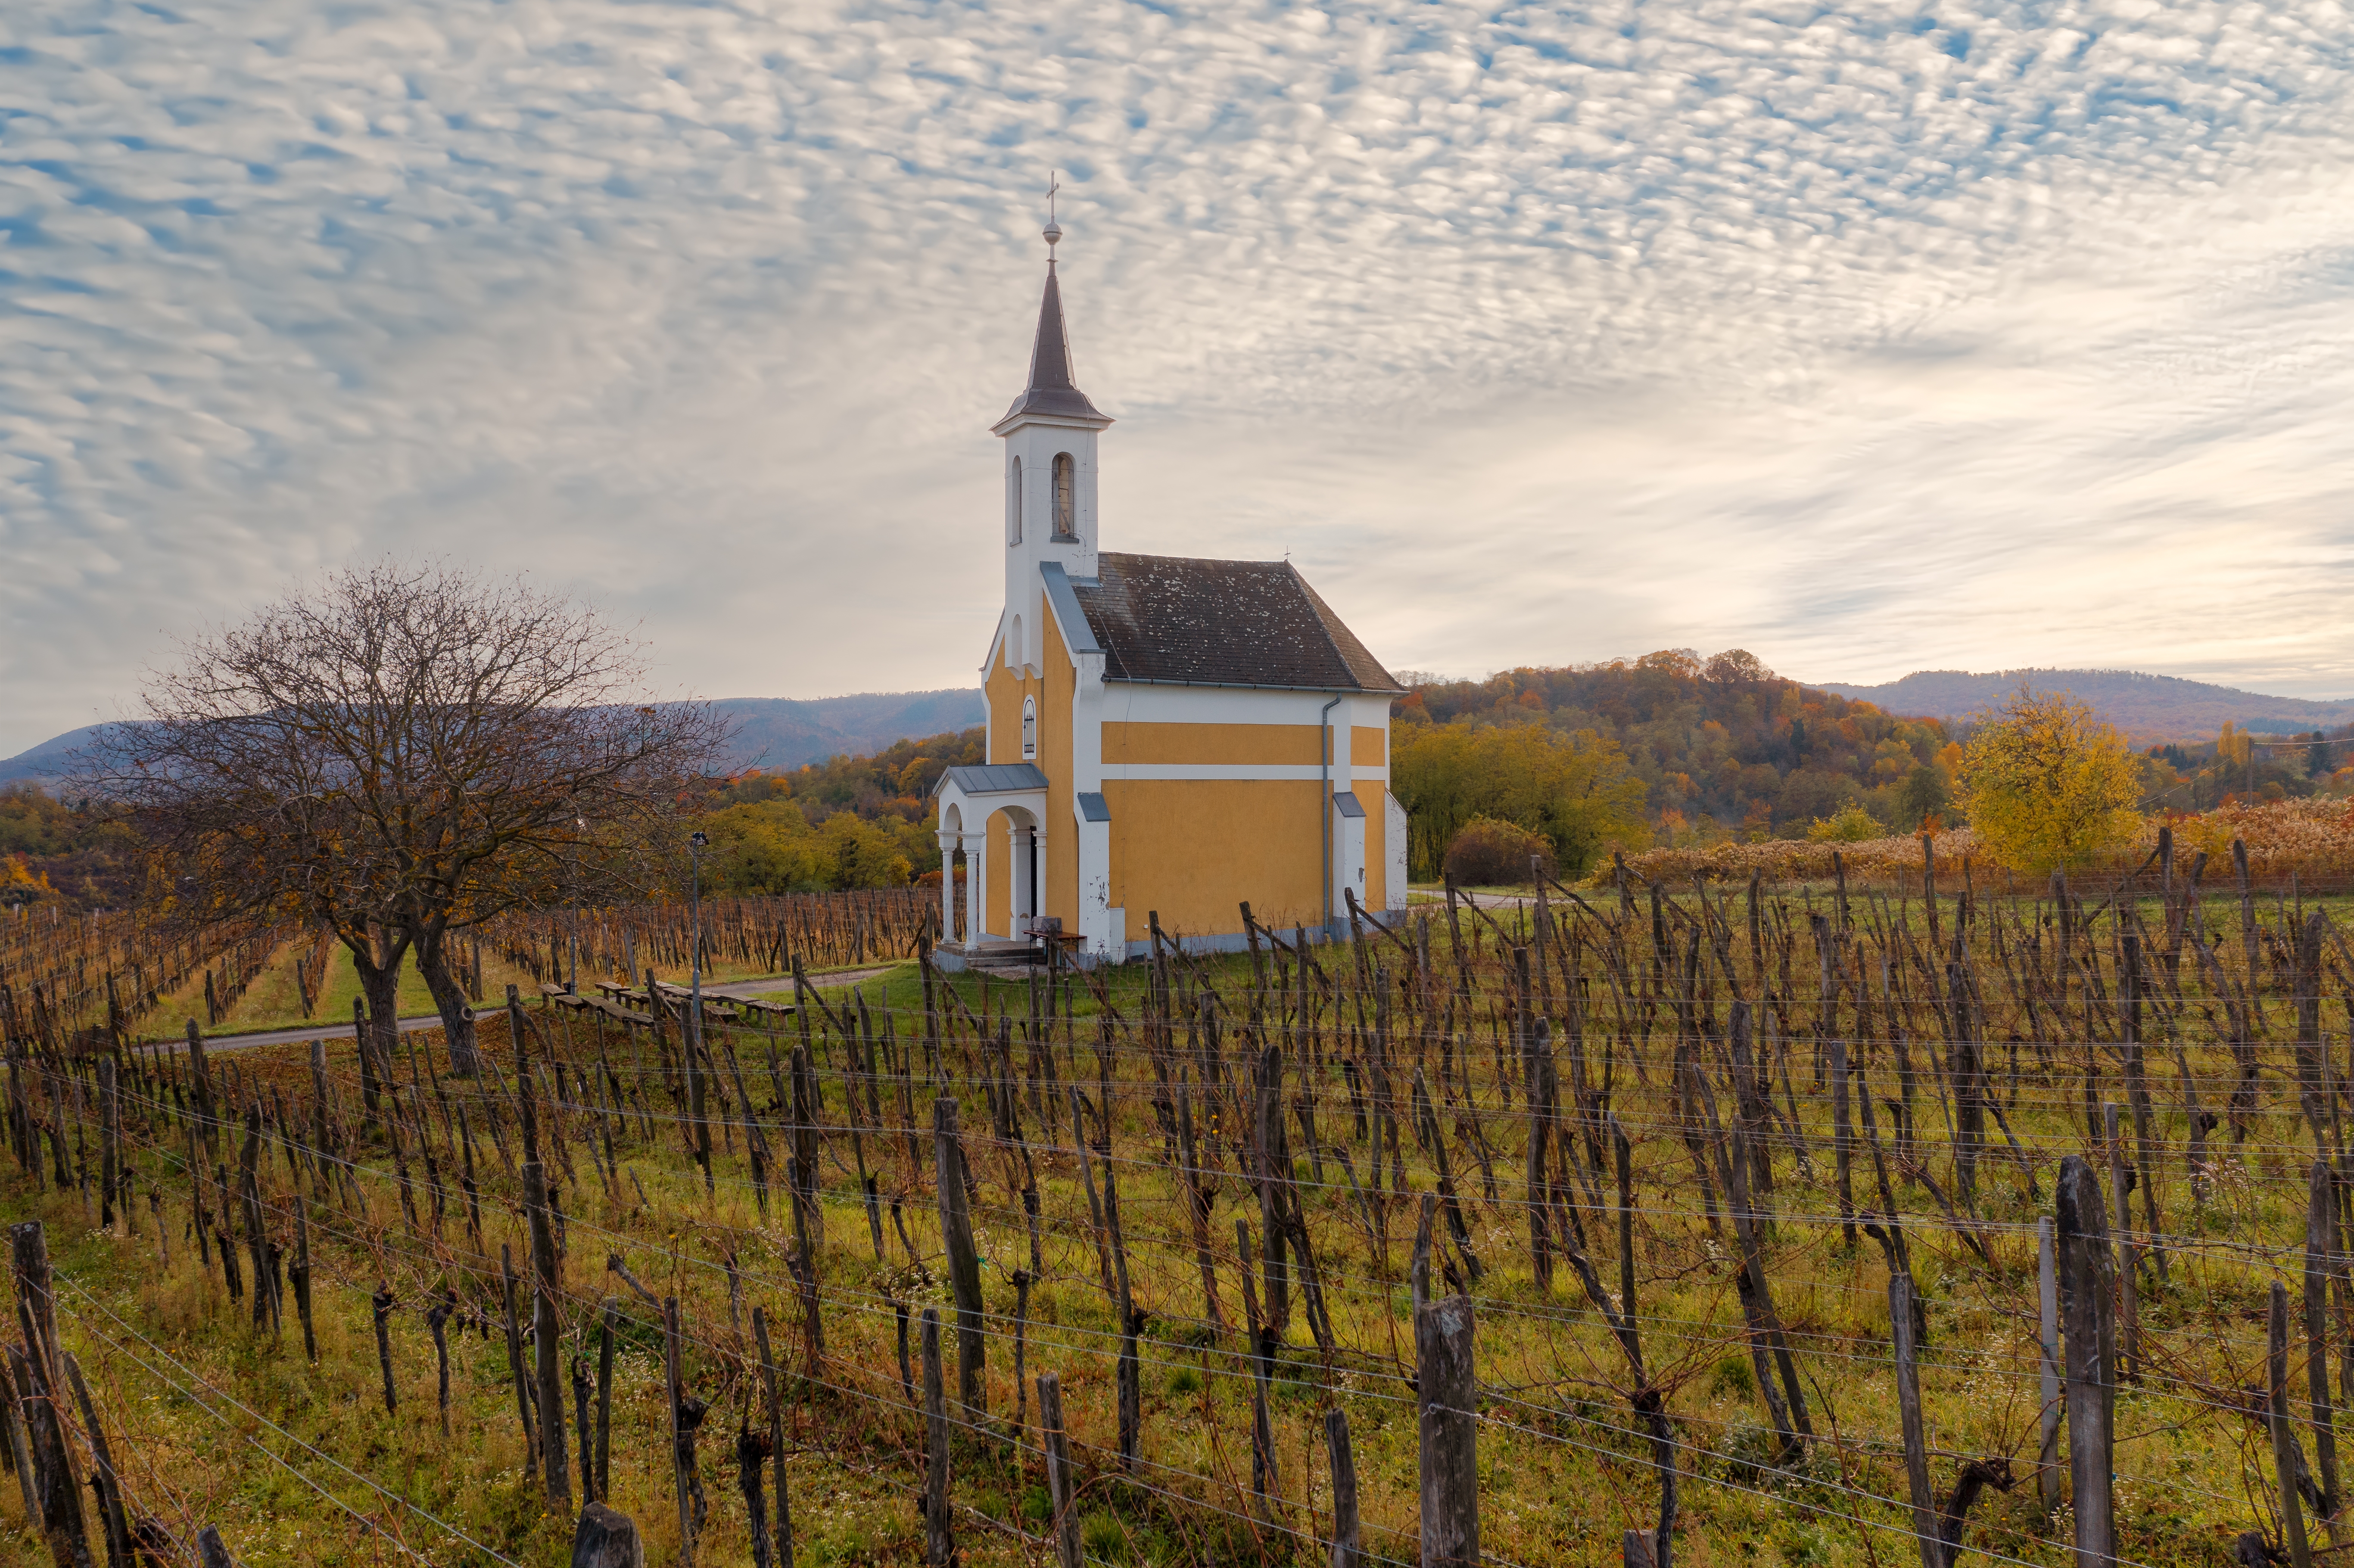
(2284,1434)
(606,1538)
(2087,1272)
(605,1400)
(437,1323)
(381,1305)
(1346,1552)
(773,1392)
(2047,1279)
(546,1336)
(1842,1143)
(300,1275)
(2320,1262)
(515,1356)
(1908,1402)
(1448,1395)
(1061,1485)
(2128,1329)
(940,1536)
(963,1260)
(680,1438)
(109,1484)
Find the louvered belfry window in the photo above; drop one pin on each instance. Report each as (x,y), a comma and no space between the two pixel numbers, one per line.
(1066,509)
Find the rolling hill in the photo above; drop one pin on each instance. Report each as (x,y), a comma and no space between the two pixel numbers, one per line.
(771,732)
(2148,708)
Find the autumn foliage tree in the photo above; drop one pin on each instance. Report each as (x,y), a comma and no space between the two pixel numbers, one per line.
(1576,792)
(2047,785)
(398,754)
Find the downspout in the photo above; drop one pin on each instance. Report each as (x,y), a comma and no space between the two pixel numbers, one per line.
(1324,807)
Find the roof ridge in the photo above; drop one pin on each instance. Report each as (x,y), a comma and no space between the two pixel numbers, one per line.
(1317,604)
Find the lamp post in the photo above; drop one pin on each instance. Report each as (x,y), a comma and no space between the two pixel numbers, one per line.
(696,842)
(580,825)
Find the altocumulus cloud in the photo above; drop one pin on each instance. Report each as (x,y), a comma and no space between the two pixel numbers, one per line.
(1903,335)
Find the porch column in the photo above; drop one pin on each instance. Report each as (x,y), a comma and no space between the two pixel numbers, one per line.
(976,887)
(948,887)
(1012,876)
(1038,876)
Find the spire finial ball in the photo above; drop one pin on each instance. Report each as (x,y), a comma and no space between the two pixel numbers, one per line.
(1053,233)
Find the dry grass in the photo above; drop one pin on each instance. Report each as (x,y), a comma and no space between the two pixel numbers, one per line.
(1559,1478)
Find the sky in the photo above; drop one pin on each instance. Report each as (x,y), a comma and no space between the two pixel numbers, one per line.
(1892,337)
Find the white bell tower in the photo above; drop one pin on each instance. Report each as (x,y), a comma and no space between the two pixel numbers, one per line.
(1050,473)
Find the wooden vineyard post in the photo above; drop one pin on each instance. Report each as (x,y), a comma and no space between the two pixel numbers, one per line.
(2283,1434)
(547,1333)
(681,1477)
(300,1275)
(52,1462)
(1842,1144)
(2086,1268)
(20,1458)
(1060,1487)
(606,1538)
(2047,1280)
(1926,1539)
(109,1145)
(2128,1332)
(108,1483)
(1448,1398)
(209,1550)
(939,1536)
(605,1402)
(1346,1552)
(772,1391)
(380,1305)
(437,1323)
(2320,1260)
(752,1450)
(29,1260)
(1635,1549)
(515,1356)
(964,1260)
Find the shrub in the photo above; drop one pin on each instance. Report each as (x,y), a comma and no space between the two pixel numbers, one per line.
(1850,824)
(1486,852)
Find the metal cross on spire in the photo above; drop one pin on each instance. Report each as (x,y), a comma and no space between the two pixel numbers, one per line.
(1054,232)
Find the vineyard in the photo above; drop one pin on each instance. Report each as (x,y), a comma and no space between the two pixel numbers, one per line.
(1901,1220)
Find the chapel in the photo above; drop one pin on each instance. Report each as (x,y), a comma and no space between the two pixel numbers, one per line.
(1167,735)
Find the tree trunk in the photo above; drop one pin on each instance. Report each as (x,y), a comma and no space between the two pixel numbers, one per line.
(449,1001)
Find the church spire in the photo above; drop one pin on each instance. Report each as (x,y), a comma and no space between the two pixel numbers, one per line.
(1051,391)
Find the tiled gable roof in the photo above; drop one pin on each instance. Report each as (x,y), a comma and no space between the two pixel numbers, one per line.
(1221,623)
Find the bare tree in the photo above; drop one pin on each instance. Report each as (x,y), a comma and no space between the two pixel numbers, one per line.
(401,753)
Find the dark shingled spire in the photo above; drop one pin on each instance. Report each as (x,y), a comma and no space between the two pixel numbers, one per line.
(1051,391)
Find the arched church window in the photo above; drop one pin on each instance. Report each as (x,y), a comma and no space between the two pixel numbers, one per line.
(1066,509)
(1013,503)
(1029,729)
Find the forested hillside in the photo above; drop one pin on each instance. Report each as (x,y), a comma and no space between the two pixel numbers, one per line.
(1722,747)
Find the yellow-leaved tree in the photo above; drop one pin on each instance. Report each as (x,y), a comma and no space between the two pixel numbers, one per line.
(1577,791)
(2047,785)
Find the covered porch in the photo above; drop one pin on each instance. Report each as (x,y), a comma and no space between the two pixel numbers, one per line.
(1012,857)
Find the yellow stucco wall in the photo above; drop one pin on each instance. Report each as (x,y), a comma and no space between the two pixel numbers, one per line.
(1368,746)
(1244,744)
(999,914)
(1193,848)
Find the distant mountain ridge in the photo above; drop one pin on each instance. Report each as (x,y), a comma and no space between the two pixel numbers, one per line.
(770,732)
(2149,708)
